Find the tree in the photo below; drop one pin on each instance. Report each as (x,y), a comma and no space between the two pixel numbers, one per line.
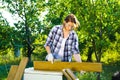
(29,24)
(5,36)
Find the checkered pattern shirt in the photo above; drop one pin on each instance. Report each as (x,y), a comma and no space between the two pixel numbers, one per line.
(54,41)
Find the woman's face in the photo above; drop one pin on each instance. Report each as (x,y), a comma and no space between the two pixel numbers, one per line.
(69,26)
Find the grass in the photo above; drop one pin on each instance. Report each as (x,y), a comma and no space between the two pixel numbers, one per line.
(108,71)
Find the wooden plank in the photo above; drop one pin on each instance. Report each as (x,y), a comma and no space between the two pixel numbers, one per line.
(21,68)
(74,66)
(71,74)
(66,75)
(12,72)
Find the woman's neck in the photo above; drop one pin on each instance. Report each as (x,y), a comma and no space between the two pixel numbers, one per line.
(65,33)
(65,30)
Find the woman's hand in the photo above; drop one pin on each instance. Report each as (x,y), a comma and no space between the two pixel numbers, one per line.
(77,57)
(50,57)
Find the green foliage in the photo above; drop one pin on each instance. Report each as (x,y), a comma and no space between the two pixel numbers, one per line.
(5,36)
(106,73)
(39,53)
(29,25)
(99,32)
(111,57)
(88,76)
(99,20)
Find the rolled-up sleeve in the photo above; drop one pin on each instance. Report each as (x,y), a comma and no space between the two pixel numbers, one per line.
(50,37)
(75,45)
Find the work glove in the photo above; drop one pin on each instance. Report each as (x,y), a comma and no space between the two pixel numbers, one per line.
(50,57)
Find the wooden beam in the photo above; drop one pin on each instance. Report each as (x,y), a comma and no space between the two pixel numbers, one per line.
(12,72)
(21,68)
(74,66)
(71,74)
(66,74)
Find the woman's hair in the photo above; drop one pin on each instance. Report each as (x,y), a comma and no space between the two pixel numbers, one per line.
(71,18)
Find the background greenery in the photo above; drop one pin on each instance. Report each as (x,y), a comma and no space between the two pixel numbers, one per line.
(99,31)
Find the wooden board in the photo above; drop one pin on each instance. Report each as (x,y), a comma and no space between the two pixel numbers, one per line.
(71,74)
(74,66)
(12,72)
(21,68)
(66,75)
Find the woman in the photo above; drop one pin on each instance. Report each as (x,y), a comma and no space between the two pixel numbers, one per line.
(62,41)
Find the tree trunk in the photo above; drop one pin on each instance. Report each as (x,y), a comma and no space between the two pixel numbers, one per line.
(90,51)
(28,40)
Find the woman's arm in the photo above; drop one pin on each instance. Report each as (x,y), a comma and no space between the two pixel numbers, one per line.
(48,49)
(49,40)
(75,49)
(48,44)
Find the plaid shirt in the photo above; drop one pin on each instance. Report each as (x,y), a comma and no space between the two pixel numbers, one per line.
(54,41)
